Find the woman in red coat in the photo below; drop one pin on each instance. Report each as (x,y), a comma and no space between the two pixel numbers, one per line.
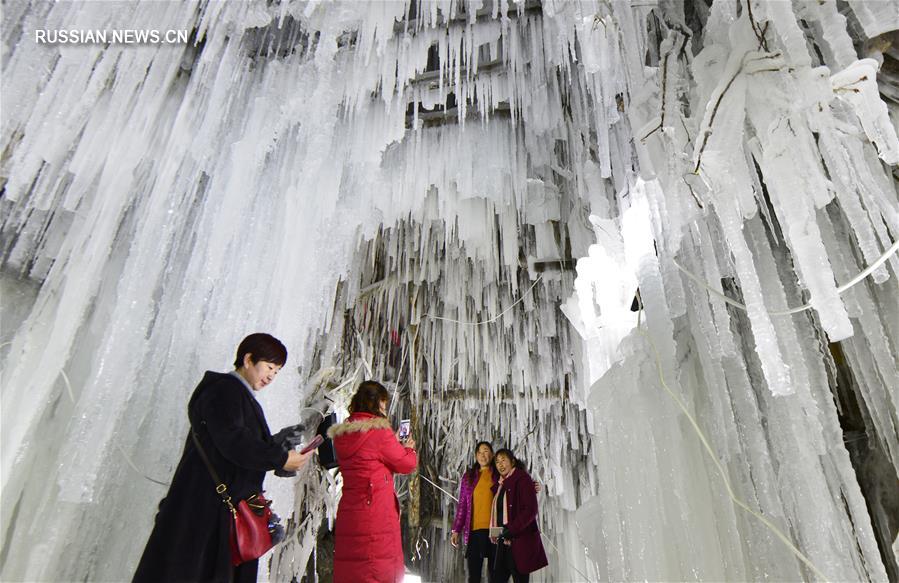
(367,545)
(519,548)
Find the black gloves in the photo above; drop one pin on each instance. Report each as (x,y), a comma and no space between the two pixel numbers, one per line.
(506,535)
(276,529)
(290,437)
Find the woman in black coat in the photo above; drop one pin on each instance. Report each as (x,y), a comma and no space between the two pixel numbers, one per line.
(190,539)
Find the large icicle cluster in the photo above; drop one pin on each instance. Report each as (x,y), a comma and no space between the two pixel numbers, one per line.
(781,186)
(401,190)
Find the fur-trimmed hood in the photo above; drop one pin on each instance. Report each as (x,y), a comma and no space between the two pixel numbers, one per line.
(355,431)
(364,422)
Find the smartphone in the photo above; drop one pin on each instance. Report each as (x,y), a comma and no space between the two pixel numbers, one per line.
(316,441)
(405,429)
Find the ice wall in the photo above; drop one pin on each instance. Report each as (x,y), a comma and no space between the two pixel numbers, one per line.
(400,191)
(155,192)
(766,203)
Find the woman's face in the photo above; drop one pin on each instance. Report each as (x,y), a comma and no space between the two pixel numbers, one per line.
(504,464)
(258,374)
(484,455)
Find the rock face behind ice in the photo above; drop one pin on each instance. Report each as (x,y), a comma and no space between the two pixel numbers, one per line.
(402,191)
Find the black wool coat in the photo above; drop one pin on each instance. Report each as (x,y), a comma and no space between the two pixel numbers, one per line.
(190,539)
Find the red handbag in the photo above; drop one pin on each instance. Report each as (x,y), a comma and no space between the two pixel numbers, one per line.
(250,537)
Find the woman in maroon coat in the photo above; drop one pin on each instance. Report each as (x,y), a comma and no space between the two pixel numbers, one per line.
(519,548)
(367,545)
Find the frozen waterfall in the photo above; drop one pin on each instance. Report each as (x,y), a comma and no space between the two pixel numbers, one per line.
(650,245)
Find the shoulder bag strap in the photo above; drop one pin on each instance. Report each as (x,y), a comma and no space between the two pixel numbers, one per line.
(220,488)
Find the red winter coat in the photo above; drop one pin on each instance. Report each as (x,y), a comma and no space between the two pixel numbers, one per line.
(367,545)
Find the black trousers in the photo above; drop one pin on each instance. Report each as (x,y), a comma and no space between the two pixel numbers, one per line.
(246,572)
(479,547)
(505,567)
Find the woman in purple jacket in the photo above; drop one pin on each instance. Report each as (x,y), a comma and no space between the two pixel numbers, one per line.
(514,510)
(473,512)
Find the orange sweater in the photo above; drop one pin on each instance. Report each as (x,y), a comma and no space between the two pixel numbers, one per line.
(480,516)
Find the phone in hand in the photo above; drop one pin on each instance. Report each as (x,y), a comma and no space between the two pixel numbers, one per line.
(405,429)
(316,441)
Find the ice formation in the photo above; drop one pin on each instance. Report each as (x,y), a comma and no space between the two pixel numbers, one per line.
(462,198)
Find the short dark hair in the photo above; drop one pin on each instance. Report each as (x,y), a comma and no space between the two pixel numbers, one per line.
(368,398)
(508,453)
(261,346)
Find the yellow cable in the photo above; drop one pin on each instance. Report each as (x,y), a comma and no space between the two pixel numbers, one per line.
(493,319)
(727,299)
(708,448)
